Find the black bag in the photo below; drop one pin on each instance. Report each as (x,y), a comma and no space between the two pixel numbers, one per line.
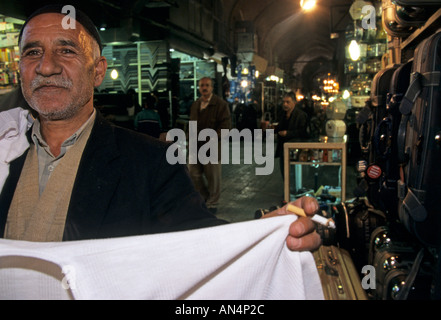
(385,142)
(372,115)
(403,271)
(419,146)
(355,220)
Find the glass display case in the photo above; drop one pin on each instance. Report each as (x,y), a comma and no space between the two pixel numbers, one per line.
(316,167)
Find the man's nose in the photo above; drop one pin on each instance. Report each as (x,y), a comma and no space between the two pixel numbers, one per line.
(48,65)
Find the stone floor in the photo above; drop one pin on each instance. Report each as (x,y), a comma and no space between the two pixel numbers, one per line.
(243,192)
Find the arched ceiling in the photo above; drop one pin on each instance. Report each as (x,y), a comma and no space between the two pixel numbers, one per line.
(289,37)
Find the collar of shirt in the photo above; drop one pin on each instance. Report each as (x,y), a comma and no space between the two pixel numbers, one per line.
(204,103)
(46,160)
(39,141)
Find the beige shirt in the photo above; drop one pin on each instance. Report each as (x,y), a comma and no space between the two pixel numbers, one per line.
(47,162)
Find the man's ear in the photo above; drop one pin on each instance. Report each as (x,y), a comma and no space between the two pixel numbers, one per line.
(100,70)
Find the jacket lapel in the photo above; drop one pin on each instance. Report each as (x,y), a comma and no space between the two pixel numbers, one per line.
(95,184)
(9,188)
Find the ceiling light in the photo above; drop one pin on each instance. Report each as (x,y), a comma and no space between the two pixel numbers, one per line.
(307,4)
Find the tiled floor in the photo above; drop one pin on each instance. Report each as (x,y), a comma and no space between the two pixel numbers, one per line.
(244,192)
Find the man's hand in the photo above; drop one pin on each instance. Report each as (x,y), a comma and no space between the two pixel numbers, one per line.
(302,235)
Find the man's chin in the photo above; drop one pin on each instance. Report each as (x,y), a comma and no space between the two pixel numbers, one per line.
(53,113)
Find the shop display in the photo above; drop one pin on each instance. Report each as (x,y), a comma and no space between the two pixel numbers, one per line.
(9,56)
(327,152)
(365,48)
(142,66)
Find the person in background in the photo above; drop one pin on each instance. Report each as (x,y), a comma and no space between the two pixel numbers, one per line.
(147,120)
(211,112)
(134,107)
(75,181)
(233,107)
(292,126)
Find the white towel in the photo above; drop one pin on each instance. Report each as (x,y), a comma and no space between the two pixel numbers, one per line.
(240,261)
(13,141)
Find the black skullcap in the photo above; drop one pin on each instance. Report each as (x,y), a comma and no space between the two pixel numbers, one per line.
(80,17)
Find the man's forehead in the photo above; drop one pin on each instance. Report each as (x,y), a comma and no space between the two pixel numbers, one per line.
(205,82)
(49,20)
(53,20)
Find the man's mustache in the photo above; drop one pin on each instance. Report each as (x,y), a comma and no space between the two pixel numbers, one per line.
(40,82)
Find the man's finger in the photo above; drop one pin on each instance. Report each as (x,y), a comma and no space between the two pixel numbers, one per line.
(310,242)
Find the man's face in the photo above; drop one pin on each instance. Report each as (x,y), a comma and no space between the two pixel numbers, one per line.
(205,87)
(58,67)
(288,104)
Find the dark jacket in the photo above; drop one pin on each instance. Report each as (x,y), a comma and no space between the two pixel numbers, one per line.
(296,127)
(215,116)
(124,187)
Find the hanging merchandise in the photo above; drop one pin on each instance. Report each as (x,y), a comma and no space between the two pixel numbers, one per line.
(356,9)
(429,3)
(335,128)
(390,22)
(413,16)
(365,49)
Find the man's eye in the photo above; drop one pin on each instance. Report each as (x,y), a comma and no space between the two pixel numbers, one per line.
(32,53)
(67,51)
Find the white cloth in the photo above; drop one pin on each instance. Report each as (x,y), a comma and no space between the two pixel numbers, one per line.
(13,141)
(247,260)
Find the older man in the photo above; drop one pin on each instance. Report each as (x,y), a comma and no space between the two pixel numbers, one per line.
(211,112)
(83,178)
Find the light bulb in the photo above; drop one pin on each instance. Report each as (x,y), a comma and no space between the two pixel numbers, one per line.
(307,4)
(354,50)
(114,74)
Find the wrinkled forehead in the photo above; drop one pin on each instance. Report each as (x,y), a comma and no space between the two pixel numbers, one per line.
(52,23)
(53,26)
